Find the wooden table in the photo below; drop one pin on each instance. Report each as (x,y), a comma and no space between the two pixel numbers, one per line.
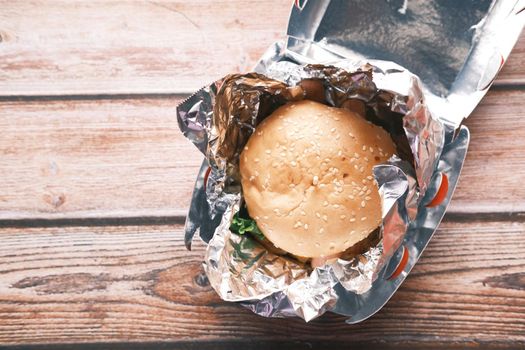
(95,180)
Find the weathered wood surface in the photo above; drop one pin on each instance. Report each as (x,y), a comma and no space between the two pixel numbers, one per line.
(117,47)
(138,283)
(91,47)
(94,158)
(95,180)
(126,158)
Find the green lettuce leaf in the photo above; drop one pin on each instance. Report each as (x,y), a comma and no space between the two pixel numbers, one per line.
(242,226)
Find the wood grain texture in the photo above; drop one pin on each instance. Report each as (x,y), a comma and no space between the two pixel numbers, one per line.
(138,283)
(116,47)
(115,158)
(102,158)
(491,179)
(86,47)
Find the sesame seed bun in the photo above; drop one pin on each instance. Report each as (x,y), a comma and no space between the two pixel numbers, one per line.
(306,174)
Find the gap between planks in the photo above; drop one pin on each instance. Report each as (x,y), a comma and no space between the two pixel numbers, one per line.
(451,216)
(497,85)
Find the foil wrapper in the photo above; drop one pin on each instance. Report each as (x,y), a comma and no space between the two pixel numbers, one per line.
(220,118)
(457,48)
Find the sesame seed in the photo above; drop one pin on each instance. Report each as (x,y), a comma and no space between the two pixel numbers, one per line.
(325,218)
(369,177)
(291,185)
(332,130)
(363,203)
(268,151)
(345,242)
(332,245)
(256,160)
(362,169)
(361,193)
(351,197)
(364,148)
(315,180)
(371,149)
(363,218)
(318,215)
(303,213)
(366,159)
(352,232)
(317,244)
(245,148)
(352,220)
(369,191)
(336,206)
(351,135)
(321,231)
(337,137)
(367,198)
(356,155)
(343,217)
(325,203)
(322,185)
(293,163)
(336,118)
(340,153)
(380,149)
(305,226)
(265,217)
(252,178)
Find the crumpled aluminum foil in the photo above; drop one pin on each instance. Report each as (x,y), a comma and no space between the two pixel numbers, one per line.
(457,53)
(220,118)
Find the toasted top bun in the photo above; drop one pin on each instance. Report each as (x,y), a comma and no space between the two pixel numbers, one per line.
(306,175)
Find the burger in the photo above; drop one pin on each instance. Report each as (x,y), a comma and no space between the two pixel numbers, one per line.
(307,179)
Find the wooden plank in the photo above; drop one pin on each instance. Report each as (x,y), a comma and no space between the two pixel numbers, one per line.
(86,47)
(137,283)
(103,158)
(127,158)
(115,47)
(495,166)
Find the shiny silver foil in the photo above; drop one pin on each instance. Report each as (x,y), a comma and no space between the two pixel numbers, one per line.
(238,267)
